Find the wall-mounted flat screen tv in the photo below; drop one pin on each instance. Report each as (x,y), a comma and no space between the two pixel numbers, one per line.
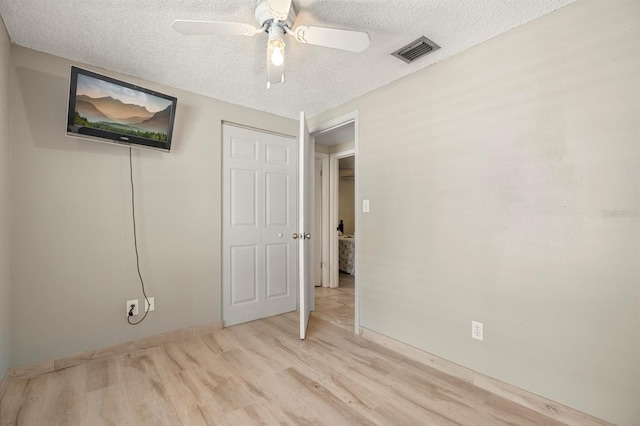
(109,110)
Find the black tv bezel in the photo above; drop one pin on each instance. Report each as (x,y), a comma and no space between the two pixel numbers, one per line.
(114,137)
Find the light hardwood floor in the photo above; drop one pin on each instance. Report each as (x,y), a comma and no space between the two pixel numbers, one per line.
(336,304)
(258,373)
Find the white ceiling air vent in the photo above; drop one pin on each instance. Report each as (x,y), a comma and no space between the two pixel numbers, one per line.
(416,49)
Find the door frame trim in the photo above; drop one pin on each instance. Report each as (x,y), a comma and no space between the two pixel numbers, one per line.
(325,126)
(324,218)
(257,129)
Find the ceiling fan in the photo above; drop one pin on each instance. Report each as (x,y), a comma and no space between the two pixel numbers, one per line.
(276,18)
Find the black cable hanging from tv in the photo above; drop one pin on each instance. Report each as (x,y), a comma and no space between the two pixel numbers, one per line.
(135,244)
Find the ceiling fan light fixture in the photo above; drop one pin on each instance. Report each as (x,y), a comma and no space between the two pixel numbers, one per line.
(276,52)
(275,55)
(276,45)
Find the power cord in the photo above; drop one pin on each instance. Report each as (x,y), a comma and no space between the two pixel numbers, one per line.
(135,243)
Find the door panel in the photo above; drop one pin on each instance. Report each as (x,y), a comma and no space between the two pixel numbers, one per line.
(244,274)
(259,258)
(277,154)
(277,199)
(305,219)
(244,148)
(244,197)
(277,264)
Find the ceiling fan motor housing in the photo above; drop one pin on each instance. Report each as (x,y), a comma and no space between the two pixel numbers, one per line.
(263,15)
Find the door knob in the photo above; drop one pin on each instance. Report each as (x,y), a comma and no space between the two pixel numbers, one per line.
(296,235)
(307,236)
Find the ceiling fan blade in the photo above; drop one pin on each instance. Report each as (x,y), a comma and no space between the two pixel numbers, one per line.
(188,27)
(354,41)
(279,8)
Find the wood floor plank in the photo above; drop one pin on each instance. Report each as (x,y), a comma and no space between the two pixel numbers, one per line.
(324,401)
(164,360)
(33,402)
(66,398)
(100,374)
(148,396)
(15,400)
(509,412)
(221,341)
(402,412)
(257,414)
(186,404)
(217,384)
(279,392)
(287,324)
(324,304)
(259,354)
(344,298)
(348,384)
(192,353)
(203,391)
(108,406)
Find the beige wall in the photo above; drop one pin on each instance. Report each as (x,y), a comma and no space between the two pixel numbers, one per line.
(73,265)
(345,146)
(332,149)
(5,50)
(323,149)
(495,201)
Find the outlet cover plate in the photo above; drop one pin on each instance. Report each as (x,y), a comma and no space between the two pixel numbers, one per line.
(477,330)
(149,306)
(132,302)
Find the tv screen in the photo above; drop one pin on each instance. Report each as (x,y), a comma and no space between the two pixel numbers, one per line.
(109,110)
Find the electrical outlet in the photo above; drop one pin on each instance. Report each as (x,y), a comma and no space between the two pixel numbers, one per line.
(135,306)
(477,331)
(149,306)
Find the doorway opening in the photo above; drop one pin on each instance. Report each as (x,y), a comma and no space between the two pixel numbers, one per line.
(337,222)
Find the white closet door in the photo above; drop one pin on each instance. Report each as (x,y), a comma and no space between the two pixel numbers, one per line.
(259,216)
(306,270)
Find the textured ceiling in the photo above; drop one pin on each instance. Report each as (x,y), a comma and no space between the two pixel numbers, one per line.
(135,37)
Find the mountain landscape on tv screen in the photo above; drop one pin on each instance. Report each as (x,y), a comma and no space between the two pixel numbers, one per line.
(107,113)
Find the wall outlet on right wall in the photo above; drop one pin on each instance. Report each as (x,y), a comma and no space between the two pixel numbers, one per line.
(477,331)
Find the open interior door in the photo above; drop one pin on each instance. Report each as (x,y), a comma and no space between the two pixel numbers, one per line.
(305,224)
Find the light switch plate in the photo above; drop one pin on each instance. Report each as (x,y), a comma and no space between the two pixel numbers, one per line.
(365,206)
